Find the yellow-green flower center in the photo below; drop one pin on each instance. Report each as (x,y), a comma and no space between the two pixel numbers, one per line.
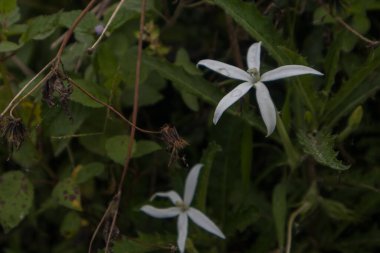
(255,73)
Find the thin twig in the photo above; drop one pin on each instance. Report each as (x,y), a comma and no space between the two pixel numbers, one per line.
(70,32)
(92,48)
(87,93)
(136,95)
(292,218)
(25,87)
(101,8)
(106,213)
(347,26)
(353,31)
(134,118)
(56,59)
(75,135)
(30,92)
(116,200)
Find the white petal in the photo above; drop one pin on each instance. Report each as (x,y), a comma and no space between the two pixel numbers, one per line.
(182,225)
(172,195)
(226,69)
(287,71)
(191,184)
(266,106)
(161,212)
(253,56)
(204,222)
(231,98)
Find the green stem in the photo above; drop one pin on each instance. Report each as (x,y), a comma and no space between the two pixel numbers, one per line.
(290,150)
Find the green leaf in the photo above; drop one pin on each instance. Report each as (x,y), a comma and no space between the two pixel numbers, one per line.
(83,173)
(27,156)
(135,5)
(321,147)
(246,154)
(331,62)
(8,46)
(337,210)
(67,193)
(190,100)
(16,199)
(150,91)
(59,126)
(124,15)
(145,148)
(70,225)
(117,148)
(96,145)
(362,84)
(207,161)
(279,209)
(182,59)
(7,6)
(41,27)
(86,25)
(290,150)
(134,245)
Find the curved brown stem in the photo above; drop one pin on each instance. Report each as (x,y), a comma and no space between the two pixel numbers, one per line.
(70,32)
(111,108)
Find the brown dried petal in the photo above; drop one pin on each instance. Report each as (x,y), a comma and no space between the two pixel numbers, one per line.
(13,131)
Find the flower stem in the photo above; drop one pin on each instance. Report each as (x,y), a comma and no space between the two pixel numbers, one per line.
(92,48)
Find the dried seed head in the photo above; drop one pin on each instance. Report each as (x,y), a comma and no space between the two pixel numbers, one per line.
(174,142)
(171,137)
(13,131)
(56,91)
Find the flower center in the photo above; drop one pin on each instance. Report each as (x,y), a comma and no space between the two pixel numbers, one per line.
(181,205)
(255,73)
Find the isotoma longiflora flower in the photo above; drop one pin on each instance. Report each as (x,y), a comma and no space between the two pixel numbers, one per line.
(253,78)
(183,210)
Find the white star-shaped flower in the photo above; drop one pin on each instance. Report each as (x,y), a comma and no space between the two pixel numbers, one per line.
(183,210)
(253,78)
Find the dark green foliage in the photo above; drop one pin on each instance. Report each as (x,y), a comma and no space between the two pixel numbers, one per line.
(63,152)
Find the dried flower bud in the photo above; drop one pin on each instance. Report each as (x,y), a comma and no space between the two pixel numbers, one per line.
(174,142)
(56,89)
(13,131)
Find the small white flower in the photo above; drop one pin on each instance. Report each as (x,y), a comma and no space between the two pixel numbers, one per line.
(253,78)
(183,210)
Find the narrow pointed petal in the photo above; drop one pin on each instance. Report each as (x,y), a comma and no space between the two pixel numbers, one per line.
(191,184)
(204,222)
(172,195)
(225,69)
(161,212)
(253,56)
(231,98)
(182,226)
(266,106)
(287,71)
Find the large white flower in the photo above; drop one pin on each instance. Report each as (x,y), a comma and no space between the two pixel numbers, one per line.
(183,210)
(253,78)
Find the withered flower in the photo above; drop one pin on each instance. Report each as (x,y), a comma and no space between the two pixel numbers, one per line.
(174,143)
(57,91)
(13,131)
